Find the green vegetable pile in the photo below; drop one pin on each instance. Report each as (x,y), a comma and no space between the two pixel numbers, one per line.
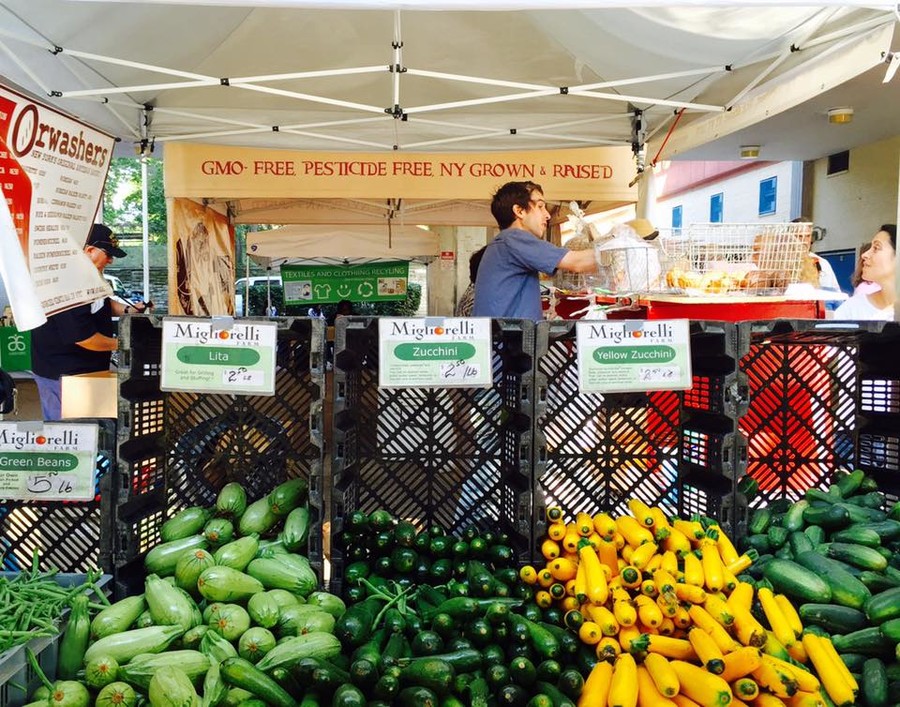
(836,554)
(32,604)
(441,620)
(229,606)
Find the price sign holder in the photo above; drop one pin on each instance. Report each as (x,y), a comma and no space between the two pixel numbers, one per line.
(633,355)
(434,352)
(48,461)
(218,355)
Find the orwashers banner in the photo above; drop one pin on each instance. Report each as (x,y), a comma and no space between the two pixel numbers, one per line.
(52,171)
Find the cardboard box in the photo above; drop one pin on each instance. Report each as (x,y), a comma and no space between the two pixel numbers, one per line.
(90,395)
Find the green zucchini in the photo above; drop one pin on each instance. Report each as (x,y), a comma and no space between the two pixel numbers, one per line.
(794,580)
(232,500)
(354,627)
(433,673)
(348,696)
(844,588)
(126,645)
(874,683)
(258,518)
(141,669)
(868,641)
(238,553)
(884,606)
(793,519)
(163,558)
(799,542)
(241,673)
(829,517)
(759,521)
(857,534)
(185,523)
(74,641)
(865,558)
(225,584)
(285,497)
(295,533)
(834,618)
(118,617)
(292,650)
(417,697)
(171,687)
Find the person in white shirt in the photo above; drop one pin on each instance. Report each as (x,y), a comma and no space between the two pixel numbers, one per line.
(879,265)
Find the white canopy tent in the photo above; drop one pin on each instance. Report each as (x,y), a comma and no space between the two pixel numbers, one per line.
(341,245)
(367,75)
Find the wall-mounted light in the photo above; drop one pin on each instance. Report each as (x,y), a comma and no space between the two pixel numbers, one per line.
(749,152)
(839,116)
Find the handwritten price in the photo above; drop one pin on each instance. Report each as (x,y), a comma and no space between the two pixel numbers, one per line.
(658,374)
(459,370)
(242,376)
(51,483)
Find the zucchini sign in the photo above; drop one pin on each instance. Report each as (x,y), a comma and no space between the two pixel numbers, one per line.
(50,462)
(321,284)
(206,356)
(633,355)
(434,353)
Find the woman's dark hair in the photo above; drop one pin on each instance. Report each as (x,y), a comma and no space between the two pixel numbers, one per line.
(509,195)
(891,230)
(474,262)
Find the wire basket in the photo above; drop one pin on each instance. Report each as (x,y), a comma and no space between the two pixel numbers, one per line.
(736,258)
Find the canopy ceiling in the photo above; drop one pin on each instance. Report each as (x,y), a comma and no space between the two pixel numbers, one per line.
(336,245)
(293,75)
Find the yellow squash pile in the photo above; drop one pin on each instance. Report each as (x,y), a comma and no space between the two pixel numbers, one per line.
(672,624)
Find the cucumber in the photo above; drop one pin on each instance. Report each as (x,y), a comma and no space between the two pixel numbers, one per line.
(857,534)
(875,683)
(433,673)
(815,533)
(758,542)
(833,516)
(241,673)
(853,661)
(777,536)
(884,606)
(793,519)
(759,521)
(837,619)
(877,582)
(868,641)
(848,484)
(887,529)
(861,514)
(794,580)
(891,630)
(799,542)
(844,588)
(865,558)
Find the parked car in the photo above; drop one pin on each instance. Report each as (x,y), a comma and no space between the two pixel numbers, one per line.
(242,283)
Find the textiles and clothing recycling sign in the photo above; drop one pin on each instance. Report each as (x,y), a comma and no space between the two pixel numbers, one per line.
(321,284)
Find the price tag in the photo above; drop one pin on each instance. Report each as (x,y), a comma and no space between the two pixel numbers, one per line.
(50,462)
(459,371)
(434,353)
(659,374)
(633,355)
(242,376)
(212,356)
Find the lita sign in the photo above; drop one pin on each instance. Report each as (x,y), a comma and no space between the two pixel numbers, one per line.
(203,171)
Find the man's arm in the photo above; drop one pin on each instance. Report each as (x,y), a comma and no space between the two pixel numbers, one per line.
(99,342)
(578,261)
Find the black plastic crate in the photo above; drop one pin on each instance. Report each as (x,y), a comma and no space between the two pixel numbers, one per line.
(455,457)
(179,449)
(73,537)
(673,449)
(821,398)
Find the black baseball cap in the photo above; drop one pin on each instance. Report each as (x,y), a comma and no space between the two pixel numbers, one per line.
(104,239)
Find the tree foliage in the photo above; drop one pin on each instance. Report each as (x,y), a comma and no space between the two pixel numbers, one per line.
(122,197)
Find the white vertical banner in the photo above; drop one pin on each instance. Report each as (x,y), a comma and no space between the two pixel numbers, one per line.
(20,289)
(52,172)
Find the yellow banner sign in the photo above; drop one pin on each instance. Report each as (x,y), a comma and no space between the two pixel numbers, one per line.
(215,171)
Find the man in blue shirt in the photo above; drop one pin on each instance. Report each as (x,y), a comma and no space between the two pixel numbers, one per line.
(507,284)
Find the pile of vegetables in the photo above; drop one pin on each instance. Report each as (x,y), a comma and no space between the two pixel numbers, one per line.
(32,603)
(676,620)
(836,554)
(229,605)
(441,620)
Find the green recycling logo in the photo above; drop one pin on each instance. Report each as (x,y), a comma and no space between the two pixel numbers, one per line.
(365,289)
